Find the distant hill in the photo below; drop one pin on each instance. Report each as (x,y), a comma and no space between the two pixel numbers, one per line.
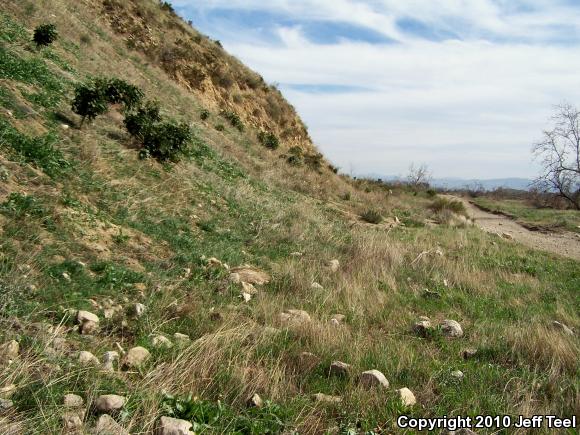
(460,183)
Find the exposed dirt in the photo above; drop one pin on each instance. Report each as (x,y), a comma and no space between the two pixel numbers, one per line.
(565,243)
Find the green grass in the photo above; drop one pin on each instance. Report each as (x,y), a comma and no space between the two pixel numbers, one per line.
(531,216)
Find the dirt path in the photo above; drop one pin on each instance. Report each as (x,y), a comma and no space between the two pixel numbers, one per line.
(566,244)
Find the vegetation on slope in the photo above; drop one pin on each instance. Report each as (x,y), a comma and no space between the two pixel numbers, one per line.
(88,225)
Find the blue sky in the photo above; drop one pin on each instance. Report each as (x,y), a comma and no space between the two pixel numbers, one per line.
(464,86)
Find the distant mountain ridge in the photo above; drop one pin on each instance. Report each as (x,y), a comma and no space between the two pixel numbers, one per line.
(460,183)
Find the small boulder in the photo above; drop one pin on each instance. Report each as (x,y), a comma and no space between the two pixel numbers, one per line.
(325,398)
(109,403)
(457,374)
(181,339)
(88,322)
(173,426)
(106,425)
(422,327)
(136,357)
(87,358)
(249,288)
(247,297)
(294,317)
(72,421)
(373,378)
(333,265)
(250,275)
(407,397)
(255,401)
(9,350)
(160,341)
(451,328)
(468,353)
(109,359)
(338,368)
(73,401)
(6,405)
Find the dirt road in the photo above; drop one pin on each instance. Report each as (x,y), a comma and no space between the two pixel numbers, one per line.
(566,244)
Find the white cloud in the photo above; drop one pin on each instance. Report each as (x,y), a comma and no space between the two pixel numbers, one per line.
(468,108)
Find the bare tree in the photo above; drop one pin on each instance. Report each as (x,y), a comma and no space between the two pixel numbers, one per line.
(419,175)
(559,154)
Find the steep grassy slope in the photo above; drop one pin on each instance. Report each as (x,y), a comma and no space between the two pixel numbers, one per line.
(87,225)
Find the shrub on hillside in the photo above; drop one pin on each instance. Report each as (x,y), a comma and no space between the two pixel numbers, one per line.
(45,34)
(372,217)
(89,101)
(455,206)
(204,114)
(142,120)
(269,140)
(118,91)
(234,119)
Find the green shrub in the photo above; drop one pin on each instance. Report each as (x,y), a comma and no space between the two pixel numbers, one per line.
(204,114)
(219,127)
(234,119)
(139,122)
(118,91)
(372,217)
(269,140)
(455,206)
(295,151)
(314,161)
(45,34)
(89,101)
(295,160)
(18,205)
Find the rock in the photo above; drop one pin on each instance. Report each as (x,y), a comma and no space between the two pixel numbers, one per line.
(407,397)
(9,350)
(138,309)
(255,401)
(338,368)
(173,426)
(6,405)
(73,401)
(325,398)
(294,317)
(506,236)
(136,357)
(337,319)
(249,288)
(106,425)
(66,276)
(308,360)
(250,275)
(7,391)
(87,358)
(333,265)
(111,311)
(562,327)
(451,328)
(373,378)
(109,403)
(160,341)
(422,327)
(468,353)
(88,322)
(73,421)
(457,374)
(181,339)
(316,286)
(247,297)
(296,254)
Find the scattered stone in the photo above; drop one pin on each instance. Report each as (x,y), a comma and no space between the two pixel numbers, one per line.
(173,426)
(7,391)
(138,309)
(106,425)
(338,368)
(181,339)
(111,311)
(325,398)
(64,126)
(422,327)
(136,357)
(294,317)
(6,405)
(451,328)
(562,327)
(255,401)
(337,319)
(308,360)
(109,403)
(316,286)
(507,236)
(457,374)
(87,358)
(59,344)
(247,297)
(250,275)
(88,322)
(73,401)
(333,265)
(373,378)
(73,421)
(66,276)
(9,350)
(407,397)
(468,353)
(109,359)
(249,288)
(160,341)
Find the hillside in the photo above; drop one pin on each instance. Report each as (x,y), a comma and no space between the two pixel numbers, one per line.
(246,288)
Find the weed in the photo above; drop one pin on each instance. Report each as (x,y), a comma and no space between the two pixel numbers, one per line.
(234,119)
(269,140)
(204,114)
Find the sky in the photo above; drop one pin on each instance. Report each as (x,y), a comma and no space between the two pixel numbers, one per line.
(463,86)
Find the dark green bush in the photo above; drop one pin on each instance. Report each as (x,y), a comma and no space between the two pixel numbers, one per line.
(18,205)
(45,34)
(142,120)
(90,101)
(118,91)
(204,114)
(372,217)
(269,140)
(234,119)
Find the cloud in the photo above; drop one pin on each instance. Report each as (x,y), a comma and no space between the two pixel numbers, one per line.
(467,91)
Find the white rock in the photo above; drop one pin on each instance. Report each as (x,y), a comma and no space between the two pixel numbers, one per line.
(451,328)
(247,297)
(108,403)
(407,397)
(255,401)
(173,426)
(73,401)
(66,276)
(84,316)
(372,378)
(316,286)
(338,368)
(106,425)
(138,309)
(294,317)
(458,374)
(136,357)
(562,327)
(87,358)
(422,327)
(333,265)
(160,341)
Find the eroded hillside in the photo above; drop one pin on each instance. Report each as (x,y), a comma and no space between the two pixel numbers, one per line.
(245,288)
